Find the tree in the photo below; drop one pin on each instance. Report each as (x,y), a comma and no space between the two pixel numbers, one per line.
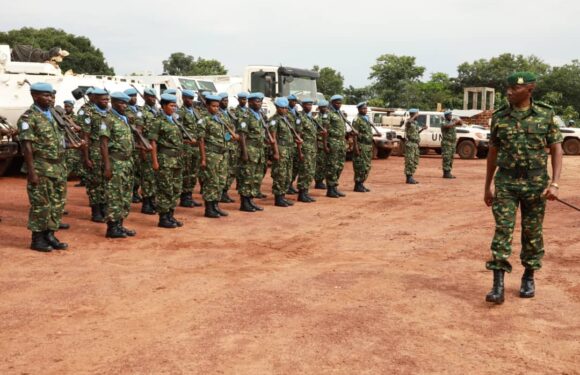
(180,64)
(84,57)
(330,81)
(391,75)
(564,80)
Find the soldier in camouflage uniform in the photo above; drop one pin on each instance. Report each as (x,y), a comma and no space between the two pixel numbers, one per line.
(520,134)
(337,147)
(242,107)
(189,117)
(135,117)
(252,131)
(117,148)
(308,130)
(295,120)
(167,160)
(322,146)
(362,162)
(211,136)
(73,155)
(412,140)
(233,149)
(91,122)
(449,142)
(43,146)
(148,178)
(284,145)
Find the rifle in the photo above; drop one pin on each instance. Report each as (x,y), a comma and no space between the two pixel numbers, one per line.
(355,145)
(268,135)
(297,138)
(187,135)
(69,127)
(324,135)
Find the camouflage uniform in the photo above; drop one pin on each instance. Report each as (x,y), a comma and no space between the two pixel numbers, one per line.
(307,167)
(135,117)
(413,138)
(148,178)
(282,168)
(91,124)
(337,144)
(362,163)
(521,138)
(73,163)
(295,120)
(321,155)
(252,171)
(213,131)
(48,147)
(191,155)
(169,140)
(233,153)
(119,188)
(448,142)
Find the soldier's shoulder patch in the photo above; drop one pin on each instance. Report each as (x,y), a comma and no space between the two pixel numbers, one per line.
(81,112)
(298,121)
(103,126)
(200,121)
(273,122)
(543,105)
(325,116)
(243,125)
(24,125)
(87,120)
(139,114)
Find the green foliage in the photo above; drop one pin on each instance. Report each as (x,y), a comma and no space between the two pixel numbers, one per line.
(180,64)
(330,81)
(83,58)
(392,75)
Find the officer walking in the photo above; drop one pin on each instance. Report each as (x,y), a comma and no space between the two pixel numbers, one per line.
(449,142)
(412,140)
(362,157)
(520,134)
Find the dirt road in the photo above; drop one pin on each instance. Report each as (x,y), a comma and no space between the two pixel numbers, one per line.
(392,281)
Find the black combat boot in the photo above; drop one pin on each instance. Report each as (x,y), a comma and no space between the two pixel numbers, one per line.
(165,221)
(114,230)
(279,201)
(97,214)
(136,197)
(210,211)
(366,188)
(359,188)
(185,200)
(447,174)
(302,197)
(339,193)
(411,180)
(226,198)
(331,192)
(63,226)
(245,205)
(54,242)
(39,243)
(128,232)
(288,201)
(291,190)
(103,208)
(256,207)
(496,295)
(320,185)
(309,196)
(195,203)
(217,208)
(173,219)
(147,207)
(528,288)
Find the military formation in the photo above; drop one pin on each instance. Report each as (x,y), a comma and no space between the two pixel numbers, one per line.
(158,153)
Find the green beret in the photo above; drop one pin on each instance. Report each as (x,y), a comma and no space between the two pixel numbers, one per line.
(521,78)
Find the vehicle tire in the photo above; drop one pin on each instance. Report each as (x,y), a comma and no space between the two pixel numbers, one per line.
(481,154)
(571,146)
(4,165)
(384,153)
(466,149)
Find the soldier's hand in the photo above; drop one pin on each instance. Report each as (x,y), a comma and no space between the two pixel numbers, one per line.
(89,164)
(488,197)
(551,193)
(107,173)
(203,164)
(276,156)
(245,157)
(33,178)
(155,164)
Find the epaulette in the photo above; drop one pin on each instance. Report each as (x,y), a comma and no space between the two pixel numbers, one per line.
(27,113)
(500,111)
(543,105)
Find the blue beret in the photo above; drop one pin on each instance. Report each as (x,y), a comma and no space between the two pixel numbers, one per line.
(150,91)
(336,97)
(169,98)
(307,100)
(170,91)
(243,95)
(69,101)
(89,91)
(292,97)
(188,93)
(361,104)
(130,92)
(212,98)
(41,87)
(447,112)
(323,103)
(120,96)
(281,102)
(413,110)
(99,91)
(223,95)
(256,95)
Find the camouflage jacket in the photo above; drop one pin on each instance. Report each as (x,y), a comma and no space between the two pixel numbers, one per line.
(521,137)
(134,115)
(149,116)
(166,133)
(324,120)
(307,130)
(230,122)
(336,127)
(91,124)
(449,135)
(365,132)
(116,129)
(212,130)
(250,124)
(412,131)
(284,136)
(241,111)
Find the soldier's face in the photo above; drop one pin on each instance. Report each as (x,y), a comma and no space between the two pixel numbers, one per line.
(307,107)
(150,100)
(169,108)
(292,103)
(337,104)
(363,111)
(517,94)
(42,99)
(255,104)
(68,108)
(102,101)
(119,106)
(242,101)
(187,101)
(133,100)
(323,109)
(448,117)
(224,103)
(213,107)
(282,111)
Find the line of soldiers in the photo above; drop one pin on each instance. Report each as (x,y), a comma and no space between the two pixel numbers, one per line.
(163,152)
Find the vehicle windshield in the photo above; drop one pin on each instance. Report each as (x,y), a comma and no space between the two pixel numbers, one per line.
(191,84)
(300,86)
(436,121)
(207,86)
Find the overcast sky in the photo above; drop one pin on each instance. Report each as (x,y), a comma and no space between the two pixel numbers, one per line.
(136,36)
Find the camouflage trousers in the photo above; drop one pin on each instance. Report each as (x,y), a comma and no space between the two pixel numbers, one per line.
(119,190)
(411,158)
(95,180)
(213,177)
(251,172)
(447,153)
(136,162)
(169,182)
(191,172)
(509,194)
(306,167)
(74,164)
(233,154)
(295,164)
(282,170)
(335,162)
(321,157)
(362,163)
(46,203)
(148,177)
